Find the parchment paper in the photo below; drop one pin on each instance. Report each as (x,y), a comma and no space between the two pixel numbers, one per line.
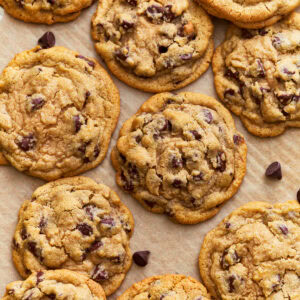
(174,248)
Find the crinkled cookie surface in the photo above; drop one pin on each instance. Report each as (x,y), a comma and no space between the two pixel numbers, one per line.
(46,12)
(257,76)
(75,224)
(58,110)
(167,287)
(250,13)
(59,284)
(180,155)
(254,253)
(153,45)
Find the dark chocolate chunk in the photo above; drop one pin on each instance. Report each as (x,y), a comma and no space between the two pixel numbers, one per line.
(24,234)
(149,203)
(37,103)
(141,258)
(237,139)
(274,170)
(261,69)
(221,163)
(229,92)
(162,49)
(177,183)
(32,247)
(100,274)
(39,276)
(89,210)
(27,142)
(168,14)
(127,25)
(198,178)
(77,123)
(108,221)
(47,40)
(298,196)
(176,162)
(85,229)
(231,280)
(42,224)
(196,135)
(208,117)
(127,184)
(246,34)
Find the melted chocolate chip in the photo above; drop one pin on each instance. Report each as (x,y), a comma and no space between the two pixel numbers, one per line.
(177,183)
(232,74)
(276,41)
(89,210)
(32,247)
(85,229)
(141,258)
(227,225)
(284,229)
(108,221)
(47,40)
(24,234)
(168,126)
(138,139)
(168,14)
(127,184)
(221,164)
(261,69)
(42,224)
(262,31)
(95,245)
(96,151)
(100,274)
(133,171)
(127,25)
(120,55)
(196,135)
(39,276)
(237,139)
(198,178)
(149,203)
(229,92)
(208,117)
(77,123)
(176,162)
(27,142)
(90,62)
(154,10)
(274,170)
(51,1)
(37,103)
(15,244)
(246,34)
(162,49)
(231,280)
(288,72)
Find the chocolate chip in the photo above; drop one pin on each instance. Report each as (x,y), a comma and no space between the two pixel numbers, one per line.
(246,34)
(37,103)
(284,229)
(177,183)
(127,184)
(232,74)
(276,41)
(100,274)
(149,203)
(32,247)
(196,135)
(39,276)
(298,196)
(77,123)
(274,170)
(186,56)
(154,10)
(42,224)
(176,162)
(123,158)
(262,31)
(85,229)
(95,245)
(231,280)
(120,55)
(141,258)
(162,49)
(168,126)
(288,72)
(127,25)
(108,221)
(261,69)
(227,225)
(15,244)
(133,171)
(208,117)
(221,162)
(237,139)
(168,14)
(198,178)
(90,62)
(229,92)
(96,151)
(27,142)
(24,234)
(132,2)
(47,40)
(138,139)
(87,95)
(82,148)
(284,98)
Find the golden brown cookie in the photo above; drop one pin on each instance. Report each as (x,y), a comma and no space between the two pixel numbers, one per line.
(168,287)
(45,11)
(58,284)
(76,224)
(257,76)
(250,13)
(180,155)
(254,253)
(58,110)
(154,46)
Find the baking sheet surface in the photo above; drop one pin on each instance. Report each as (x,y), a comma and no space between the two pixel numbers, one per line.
(174,248)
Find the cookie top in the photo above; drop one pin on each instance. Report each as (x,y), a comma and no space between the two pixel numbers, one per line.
(58,110)
(254,253)
(180,155)
(151,45)
(167,287)
(76,224)
(257,76)
(250,13)
(46,12)
(58,284)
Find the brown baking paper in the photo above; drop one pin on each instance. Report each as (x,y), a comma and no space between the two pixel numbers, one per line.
(174,248)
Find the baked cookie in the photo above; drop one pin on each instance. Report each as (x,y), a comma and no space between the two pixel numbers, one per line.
(153,46)
(257,76)
(58,110)
(180,155)
(76,224)
(250,13)
(58,284)
(175,287)
(46,12)
(254,253)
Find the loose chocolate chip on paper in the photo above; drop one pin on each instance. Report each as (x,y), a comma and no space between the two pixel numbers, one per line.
(47,40)
(141,258)
(274,170)
(298,196)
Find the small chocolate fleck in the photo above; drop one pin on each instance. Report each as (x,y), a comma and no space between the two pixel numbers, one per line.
(141,258)
(90,62)
(47,40)
(24,234)
(77,123)
(274,170)
(284,229)
(132,2)
(85,229)
(37,103)
(127,25)
(96,151)
(208,116)
(237,139)
(39,276)
(177,183)
(196,135)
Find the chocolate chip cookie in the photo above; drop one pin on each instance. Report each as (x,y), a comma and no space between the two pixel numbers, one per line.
(76,224)
(257,76)
(180,155)
(154,46)
(58,284)
(58,110)
(250,13)
(254,253)
(46,12)
(175,287)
